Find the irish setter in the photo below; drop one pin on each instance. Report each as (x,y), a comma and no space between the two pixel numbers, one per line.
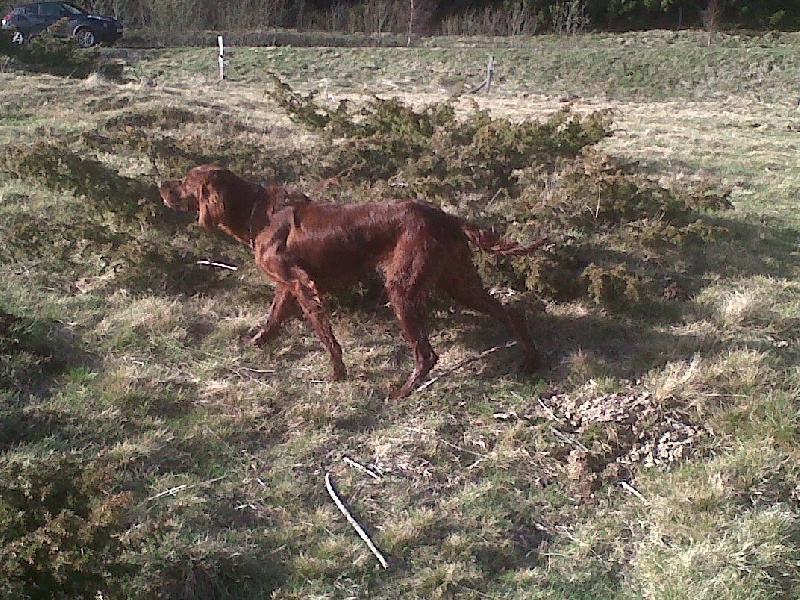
(308,249)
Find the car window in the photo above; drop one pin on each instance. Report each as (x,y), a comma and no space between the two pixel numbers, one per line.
(51,10)
(71,9)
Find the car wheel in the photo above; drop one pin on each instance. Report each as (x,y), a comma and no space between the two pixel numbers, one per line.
(17,37)
(85,37)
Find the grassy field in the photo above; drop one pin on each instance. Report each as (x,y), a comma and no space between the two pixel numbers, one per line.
(148,452)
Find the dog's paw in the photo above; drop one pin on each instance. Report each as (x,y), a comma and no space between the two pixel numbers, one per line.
(400,392)
(256,337)
(339,374)
(532,362)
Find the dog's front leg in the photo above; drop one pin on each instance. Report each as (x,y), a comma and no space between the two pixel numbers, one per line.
(307,295)
(284,306)
(297,282)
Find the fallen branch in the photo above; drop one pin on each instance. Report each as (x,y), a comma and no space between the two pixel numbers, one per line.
(548,410)
(364,469)
(460,449)
(359,530)
(217,264)
(567,439)
(463,362)
(256,371)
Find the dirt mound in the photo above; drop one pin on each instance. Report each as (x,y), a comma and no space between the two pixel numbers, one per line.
(606,436)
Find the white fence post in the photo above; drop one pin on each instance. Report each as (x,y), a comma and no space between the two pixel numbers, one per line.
(410,24)
(221,57)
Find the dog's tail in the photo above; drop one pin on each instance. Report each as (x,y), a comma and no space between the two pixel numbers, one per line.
(489,241)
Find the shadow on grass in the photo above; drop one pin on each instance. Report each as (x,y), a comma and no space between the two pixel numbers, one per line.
(34,355)
(623,341)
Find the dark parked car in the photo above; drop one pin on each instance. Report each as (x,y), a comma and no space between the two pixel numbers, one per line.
(87,29)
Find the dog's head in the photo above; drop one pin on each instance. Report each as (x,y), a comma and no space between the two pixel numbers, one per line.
(204,190)
(177,195)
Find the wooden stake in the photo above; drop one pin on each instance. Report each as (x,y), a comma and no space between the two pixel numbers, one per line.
(486,83)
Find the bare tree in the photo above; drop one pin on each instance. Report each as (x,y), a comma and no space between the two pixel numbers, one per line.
(711,17)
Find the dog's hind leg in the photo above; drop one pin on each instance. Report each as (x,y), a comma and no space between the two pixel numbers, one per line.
(412,326)
(464,285)
(408,283)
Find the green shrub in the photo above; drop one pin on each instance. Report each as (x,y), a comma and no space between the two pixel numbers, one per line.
(544,178)
(431,149)
(611,285)
(60,526)
(7,48)
(118,230)
(60,169)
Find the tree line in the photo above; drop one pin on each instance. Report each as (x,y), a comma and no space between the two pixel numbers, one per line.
(449,17)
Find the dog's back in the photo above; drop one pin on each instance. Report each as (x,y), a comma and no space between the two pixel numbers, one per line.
(339,244)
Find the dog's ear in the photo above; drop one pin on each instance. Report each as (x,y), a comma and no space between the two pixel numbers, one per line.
(212,204)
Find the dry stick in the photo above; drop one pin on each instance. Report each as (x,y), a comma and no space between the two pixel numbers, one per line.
(217,264)
(259,371)
(632,490)
(360,467)
(185,486)
(565,438)
(460,449)
(359,530)
(463,362)
(547,409)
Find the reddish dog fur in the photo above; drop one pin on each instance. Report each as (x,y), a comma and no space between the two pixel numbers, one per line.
(308,249)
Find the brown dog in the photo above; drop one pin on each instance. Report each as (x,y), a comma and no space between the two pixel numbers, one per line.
(308,249)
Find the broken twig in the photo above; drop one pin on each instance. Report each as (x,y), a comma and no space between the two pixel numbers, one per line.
(558,433)
(217,264)
(463,362)
(364,469)
(359,530)
(632,490)
(567,439)
(185,486)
